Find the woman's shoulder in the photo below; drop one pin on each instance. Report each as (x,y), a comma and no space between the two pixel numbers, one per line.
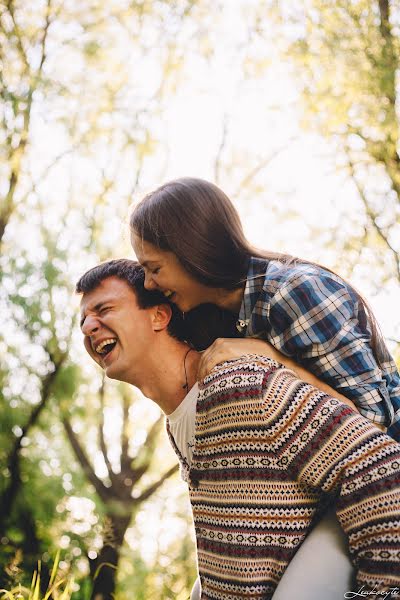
(297,283)
(296,274)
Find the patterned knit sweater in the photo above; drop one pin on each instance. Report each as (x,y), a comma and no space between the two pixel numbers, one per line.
(270,453)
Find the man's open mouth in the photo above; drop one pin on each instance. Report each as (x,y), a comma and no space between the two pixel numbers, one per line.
(168,294)
(106,346)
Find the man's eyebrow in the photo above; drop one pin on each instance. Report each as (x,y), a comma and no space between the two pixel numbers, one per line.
(96,308)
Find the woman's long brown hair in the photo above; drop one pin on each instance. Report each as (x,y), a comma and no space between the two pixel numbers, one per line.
(196,220)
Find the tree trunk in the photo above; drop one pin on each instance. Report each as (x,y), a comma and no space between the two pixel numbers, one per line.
(104,567)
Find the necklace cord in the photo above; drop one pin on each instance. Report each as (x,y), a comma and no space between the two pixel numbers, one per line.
(186,384)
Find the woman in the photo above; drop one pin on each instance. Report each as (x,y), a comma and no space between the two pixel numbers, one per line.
(189,238)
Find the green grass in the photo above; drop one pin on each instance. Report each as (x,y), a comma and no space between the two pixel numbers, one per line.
(58,588)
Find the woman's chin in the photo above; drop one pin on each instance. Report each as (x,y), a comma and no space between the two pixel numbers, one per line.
(181,304)
(185,307)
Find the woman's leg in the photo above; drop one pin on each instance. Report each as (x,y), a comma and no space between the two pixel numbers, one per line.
(321,568)
(196,591)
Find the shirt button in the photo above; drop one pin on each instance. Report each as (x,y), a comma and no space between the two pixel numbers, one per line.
(240,325)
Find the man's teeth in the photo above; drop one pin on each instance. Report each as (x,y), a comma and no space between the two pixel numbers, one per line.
(168,293)
(99,349)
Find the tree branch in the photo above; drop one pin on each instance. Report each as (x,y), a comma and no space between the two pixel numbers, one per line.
(44,37)
(125,458)
(146,452)
(83,460)
(21,49)
(154,487)
(102,441)
(384,10)
(259,167)
(372,216)
(221,147)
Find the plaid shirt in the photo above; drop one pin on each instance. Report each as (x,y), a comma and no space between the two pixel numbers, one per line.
(314,317)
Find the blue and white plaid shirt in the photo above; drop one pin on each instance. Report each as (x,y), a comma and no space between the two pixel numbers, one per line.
(314,317)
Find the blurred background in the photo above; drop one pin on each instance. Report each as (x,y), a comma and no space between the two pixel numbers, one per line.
(291,107)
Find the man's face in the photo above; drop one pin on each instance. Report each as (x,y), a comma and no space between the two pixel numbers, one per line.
(117,332)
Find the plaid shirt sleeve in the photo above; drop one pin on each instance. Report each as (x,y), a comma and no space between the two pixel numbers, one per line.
(316,318)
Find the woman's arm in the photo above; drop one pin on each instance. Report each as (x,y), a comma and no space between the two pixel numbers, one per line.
(317,318)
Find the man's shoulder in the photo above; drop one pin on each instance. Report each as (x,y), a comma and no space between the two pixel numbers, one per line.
(247,370)
(250,391)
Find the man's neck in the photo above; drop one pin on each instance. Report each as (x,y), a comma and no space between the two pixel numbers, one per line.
(170,373)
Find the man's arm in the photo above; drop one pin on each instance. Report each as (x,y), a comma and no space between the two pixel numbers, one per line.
(228,348)
(326,445)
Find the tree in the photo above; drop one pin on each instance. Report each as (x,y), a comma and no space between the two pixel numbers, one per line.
(39,324)
(23,53)
(346,59)
(53,224)
(120,494)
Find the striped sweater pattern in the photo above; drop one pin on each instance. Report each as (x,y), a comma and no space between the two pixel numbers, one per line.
(271,452)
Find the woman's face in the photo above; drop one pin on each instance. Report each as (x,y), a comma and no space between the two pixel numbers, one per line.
(164,272)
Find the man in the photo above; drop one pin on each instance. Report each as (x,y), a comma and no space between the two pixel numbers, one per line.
(263,452)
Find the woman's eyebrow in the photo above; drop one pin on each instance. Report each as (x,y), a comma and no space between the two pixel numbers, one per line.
(149,262)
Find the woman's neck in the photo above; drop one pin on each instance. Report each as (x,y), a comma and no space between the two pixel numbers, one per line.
(230,299)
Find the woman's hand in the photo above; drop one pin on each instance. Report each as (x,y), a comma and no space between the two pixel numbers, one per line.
(228,348)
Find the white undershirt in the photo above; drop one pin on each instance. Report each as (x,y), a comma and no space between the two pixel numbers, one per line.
(182,423)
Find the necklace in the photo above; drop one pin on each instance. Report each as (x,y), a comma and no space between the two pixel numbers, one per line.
(186,384)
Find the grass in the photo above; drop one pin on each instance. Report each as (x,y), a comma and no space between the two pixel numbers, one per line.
(58,588)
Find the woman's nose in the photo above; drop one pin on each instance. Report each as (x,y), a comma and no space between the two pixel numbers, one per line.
(149,283)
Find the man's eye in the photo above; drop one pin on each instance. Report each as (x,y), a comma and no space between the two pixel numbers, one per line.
(105,309)
(155,271)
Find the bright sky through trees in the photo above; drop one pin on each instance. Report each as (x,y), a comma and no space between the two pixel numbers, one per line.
(289,106)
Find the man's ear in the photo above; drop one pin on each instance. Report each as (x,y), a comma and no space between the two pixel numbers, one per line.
(161,317)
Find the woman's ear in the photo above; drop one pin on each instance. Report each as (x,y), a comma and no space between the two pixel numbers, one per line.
(161,317)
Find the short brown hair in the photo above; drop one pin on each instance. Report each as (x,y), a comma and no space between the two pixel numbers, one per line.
(132,273)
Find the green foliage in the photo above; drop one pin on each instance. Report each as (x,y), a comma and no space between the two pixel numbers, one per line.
(347,69)
(58,588)
(345,58)
(67,382)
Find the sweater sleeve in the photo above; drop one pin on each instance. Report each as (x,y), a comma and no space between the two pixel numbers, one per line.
(328,446)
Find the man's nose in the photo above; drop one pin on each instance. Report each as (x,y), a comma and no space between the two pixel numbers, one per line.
(90,325)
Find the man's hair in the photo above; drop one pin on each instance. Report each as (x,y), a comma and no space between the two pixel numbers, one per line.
(132,273)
